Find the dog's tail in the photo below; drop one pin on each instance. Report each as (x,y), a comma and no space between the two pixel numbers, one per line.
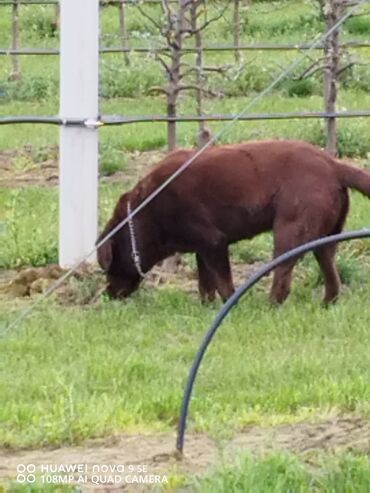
(353,177)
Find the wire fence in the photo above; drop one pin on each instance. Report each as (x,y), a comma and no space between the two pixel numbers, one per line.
(329,115)
(177,173)
(187,49)
(124,120)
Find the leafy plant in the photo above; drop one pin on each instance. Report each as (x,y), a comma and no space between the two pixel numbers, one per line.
(359,24)
(117,80)
(352,141)
(36,88)
(252,78)
(27,240)
(302,87)
(40,21)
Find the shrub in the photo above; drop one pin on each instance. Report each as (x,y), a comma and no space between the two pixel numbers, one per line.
(359,25)
(352,141)
(301,87)
(253,78)
(41,21)
(117,80)
(356,77)
(30,88)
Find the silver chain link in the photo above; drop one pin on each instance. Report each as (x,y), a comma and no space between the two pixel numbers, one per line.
(135,252)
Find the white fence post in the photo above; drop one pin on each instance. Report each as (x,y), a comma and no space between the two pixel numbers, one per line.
(78,174)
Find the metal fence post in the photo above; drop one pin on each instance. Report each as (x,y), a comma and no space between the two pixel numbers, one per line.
(78,195)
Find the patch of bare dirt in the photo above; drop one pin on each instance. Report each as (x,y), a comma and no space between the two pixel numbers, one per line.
(157,452)
(26,167)
(30,167)
(341,433)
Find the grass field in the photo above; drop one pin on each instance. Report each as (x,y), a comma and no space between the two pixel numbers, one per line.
(76,372)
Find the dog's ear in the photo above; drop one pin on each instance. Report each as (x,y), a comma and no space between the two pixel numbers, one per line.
(105,254)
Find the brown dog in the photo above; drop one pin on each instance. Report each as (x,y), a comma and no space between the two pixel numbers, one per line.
(227,194)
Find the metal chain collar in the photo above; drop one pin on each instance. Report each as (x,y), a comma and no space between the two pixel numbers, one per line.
(135,252)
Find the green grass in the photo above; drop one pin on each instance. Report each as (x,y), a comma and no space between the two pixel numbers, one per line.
(69,374)
(284,473)
(353,139)
(126,90)
(28,239)
(273,473)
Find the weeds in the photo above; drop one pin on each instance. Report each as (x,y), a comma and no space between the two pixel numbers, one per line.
(111,159)
(40,21)
(280,473)
(25,232)
(359,25)
(33,88)
(117,80)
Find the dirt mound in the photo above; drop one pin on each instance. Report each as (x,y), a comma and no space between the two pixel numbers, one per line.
(87,284)
(157,451)
(84,286)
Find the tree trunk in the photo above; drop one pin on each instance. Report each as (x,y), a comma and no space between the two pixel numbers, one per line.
(237,29)
(123,31)
(332,12)
(198,64)
(16,71)
(171,125)
(176,24)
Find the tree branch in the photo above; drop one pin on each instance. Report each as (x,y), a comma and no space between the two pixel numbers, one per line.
(147,16)
(194,87)
(209,21)
(163,63)
(158,89)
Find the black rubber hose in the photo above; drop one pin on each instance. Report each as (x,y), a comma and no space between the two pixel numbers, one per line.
(232,301)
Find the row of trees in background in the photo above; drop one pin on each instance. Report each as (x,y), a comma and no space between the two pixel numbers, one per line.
(184,20)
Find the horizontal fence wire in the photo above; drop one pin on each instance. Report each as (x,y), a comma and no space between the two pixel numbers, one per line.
(122,120)
(103,3)
(188,49)
(180,170)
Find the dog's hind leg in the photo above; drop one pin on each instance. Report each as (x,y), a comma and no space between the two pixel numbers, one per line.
(287,235)
(325,257)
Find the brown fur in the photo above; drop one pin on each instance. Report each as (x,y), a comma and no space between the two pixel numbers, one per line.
(231,193)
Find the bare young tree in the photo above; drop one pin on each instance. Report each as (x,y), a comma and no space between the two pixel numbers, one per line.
(329,64)
(332,11)
(181,21)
